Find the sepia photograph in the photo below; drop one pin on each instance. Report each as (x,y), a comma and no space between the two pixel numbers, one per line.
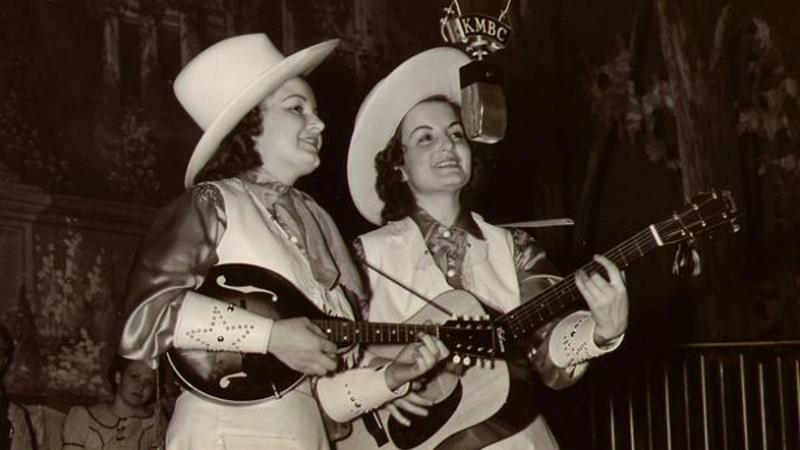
(413,224)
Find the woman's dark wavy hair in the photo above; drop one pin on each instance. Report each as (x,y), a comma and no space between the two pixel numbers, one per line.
(398,199)
(236,153)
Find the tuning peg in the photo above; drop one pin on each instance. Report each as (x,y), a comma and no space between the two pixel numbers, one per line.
(467,361)
(735,227)
(456,359)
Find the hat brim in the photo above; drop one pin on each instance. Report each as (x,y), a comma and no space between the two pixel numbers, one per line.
(299,63)
(432,72)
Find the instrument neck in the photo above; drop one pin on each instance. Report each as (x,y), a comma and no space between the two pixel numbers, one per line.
(342,331)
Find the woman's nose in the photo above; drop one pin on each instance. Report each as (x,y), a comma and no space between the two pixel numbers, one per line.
(447,143)
(315,123)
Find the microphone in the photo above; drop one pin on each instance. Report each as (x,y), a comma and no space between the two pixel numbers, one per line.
(483,104)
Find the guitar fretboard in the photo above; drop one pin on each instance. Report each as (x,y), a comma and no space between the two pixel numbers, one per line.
(564,296)
(347,332)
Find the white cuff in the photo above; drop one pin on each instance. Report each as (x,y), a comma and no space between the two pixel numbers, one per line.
(572,340)
(208,324)
(349,394)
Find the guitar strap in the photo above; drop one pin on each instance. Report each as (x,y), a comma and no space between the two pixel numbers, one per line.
(372,423)
(483,301)
(407,288)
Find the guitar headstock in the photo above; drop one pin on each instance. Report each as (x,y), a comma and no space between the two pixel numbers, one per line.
(471,340)
(702,214)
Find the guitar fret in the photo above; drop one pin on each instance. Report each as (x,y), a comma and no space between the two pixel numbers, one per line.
(350,332)
(639,248)
(564,295)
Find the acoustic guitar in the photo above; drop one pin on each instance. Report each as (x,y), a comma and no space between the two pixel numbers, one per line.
(241,378)
(488,403)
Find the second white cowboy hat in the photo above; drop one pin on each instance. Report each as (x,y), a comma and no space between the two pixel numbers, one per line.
(225,81)
(432,72)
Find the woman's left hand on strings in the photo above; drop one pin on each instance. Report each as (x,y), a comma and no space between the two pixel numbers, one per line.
(607,300)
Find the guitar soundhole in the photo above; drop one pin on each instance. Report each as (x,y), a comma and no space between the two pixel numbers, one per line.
(422,428)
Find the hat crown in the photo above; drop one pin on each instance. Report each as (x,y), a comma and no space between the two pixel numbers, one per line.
(214,78)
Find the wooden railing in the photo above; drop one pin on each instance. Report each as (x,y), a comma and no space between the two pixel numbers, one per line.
(726,396)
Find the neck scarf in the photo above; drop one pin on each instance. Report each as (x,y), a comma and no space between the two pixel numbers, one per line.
(328,255)
(447,245)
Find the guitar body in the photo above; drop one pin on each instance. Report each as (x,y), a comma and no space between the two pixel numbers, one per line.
(239,378)
(487,405)
(483,405)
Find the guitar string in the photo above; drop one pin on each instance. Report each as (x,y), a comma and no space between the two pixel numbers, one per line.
(636,241)
(544,301)
(340,328)
(558,291)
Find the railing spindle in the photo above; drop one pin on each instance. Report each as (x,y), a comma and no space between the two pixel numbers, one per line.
(797,393)
(666,408)
(704,400)
(761,417)
(686,416)
(782,406)
(631,431)
(649,403)
(762,405)
(723,406)
(743,391)
(611,421)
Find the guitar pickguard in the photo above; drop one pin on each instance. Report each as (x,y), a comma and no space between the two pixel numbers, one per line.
(422,427)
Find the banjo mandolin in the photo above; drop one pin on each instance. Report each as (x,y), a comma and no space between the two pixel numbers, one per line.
(240,378)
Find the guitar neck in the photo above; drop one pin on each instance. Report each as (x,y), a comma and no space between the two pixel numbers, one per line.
(564,297)
(342,331)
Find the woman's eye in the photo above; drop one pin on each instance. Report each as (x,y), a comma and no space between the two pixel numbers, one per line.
(457,135)
(296,109)
(425,139)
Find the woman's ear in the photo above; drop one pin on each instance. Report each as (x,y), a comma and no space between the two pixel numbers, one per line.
(403,174)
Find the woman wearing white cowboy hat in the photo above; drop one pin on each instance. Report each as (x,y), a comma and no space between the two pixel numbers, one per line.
(409,166)
(260,134)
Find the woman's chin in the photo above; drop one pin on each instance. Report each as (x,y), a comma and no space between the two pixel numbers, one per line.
(310,165)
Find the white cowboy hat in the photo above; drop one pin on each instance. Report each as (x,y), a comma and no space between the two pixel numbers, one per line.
(432,72)
(225,81)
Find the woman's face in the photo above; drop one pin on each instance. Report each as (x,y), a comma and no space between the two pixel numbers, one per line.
(290,142)
(135,384)
(437,157)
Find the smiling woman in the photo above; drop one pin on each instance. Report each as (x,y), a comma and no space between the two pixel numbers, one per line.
(261,133)
(437,158)
(408,166)
(280,139)
(290,145)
